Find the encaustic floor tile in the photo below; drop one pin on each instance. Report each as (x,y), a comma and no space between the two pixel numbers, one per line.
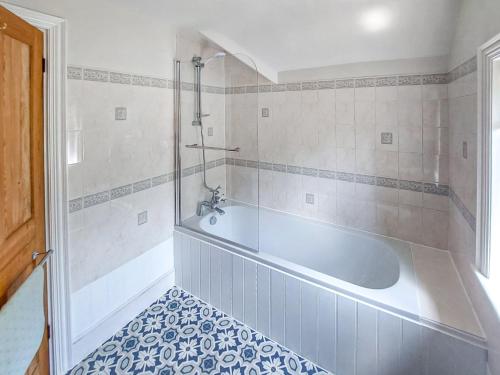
(180,334)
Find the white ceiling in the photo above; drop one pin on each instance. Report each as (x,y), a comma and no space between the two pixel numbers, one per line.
(298,34)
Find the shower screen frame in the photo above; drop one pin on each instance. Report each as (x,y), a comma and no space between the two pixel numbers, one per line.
(177,141)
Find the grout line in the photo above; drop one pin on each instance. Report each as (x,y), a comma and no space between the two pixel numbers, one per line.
(269,302)
(336,341)
(243,290)
(301,290)
(316,352)
(210,273)
(356,320)
(376,343)
(284,309)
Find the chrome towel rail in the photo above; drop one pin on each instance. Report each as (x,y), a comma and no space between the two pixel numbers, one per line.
(46,256)
(231,149)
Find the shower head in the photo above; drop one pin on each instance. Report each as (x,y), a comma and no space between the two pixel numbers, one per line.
(218,55)
(200,63)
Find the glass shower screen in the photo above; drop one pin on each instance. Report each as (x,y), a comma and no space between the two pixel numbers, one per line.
(216,103)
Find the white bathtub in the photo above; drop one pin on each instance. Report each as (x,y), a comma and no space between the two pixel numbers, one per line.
(374,268)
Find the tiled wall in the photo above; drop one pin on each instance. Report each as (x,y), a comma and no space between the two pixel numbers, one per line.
(463,213)
(340,334)
(463,159)
(463,163)
(120,150)
(121,153)
(369,153)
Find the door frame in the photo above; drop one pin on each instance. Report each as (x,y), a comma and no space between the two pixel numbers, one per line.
(58,292)
(487,54)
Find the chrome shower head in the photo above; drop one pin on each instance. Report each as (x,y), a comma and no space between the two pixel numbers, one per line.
(218,55)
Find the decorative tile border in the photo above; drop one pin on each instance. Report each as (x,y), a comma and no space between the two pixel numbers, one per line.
(397,80)
(141,80)
(95,75)
(99,75)
(315,85)
(160,180)
(344,83)
(386,81)
(365,82)
(418,79)
(293,169)
(74,72)
(142,185)
(188,86)
(437,189)
(467,215)
(322,173)
(276,167)
(410,80)
(119,78)
(420,187)
(75,205)
(346,177)
(121,191)
(463,69)
(94,199)
(388,182)
(367,180)
(80,203)
(411,186)
(435,79)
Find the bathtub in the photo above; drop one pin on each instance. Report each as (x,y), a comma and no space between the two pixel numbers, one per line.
(337,296)
(373,268)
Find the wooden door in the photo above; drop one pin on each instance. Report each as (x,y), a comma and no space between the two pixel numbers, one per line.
(22,200)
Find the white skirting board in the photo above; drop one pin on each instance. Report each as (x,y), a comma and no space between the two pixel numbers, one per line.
(103,307)
(341,334)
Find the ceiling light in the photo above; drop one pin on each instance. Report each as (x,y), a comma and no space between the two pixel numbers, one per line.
(376,19)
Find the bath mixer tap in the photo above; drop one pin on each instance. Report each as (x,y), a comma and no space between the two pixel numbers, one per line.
(212,204)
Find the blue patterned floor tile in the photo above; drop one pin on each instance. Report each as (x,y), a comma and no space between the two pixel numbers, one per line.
(180,334)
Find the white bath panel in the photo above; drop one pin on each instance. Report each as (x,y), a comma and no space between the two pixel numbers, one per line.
(366,340)
(292,313)
(250,293)
(194,255)
(309,321)
(277,306)
(205,271)
(327,307)
(238,287)
(342,334)
(263,299)
(389,343)
(346,336)
(215,277)
(412,355)
(226,282)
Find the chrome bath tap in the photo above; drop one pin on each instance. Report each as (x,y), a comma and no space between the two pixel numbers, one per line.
(212,204)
